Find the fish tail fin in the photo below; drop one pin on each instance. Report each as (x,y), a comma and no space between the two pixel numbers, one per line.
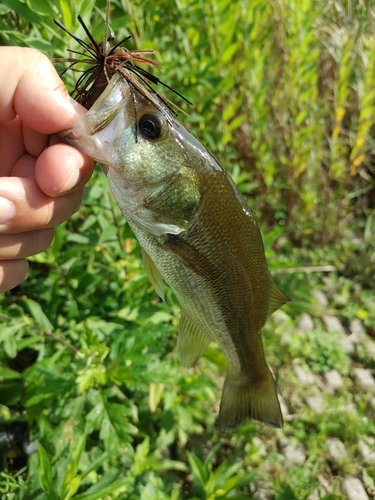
(241,401)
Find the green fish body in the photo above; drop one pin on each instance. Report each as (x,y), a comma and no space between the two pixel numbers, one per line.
(197,232)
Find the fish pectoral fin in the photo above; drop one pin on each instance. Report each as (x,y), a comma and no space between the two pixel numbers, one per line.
(189,256)
(242,400)
(191,342)
(153,274)
(278,298)
(153,227)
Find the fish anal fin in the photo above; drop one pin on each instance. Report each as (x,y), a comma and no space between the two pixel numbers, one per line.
(243,400)
(278,298)
(153,274)
(190,256)
(191,342)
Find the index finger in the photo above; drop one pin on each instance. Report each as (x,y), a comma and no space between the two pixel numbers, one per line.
(32,89)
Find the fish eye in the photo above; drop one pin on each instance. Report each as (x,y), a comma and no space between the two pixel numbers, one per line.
(150,126)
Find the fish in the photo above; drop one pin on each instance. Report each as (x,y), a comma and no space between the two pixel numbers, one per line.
(196,232)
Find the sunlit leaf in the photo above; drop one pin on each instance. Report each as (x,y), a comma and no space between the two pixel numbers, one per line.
(38,314)
(45,474)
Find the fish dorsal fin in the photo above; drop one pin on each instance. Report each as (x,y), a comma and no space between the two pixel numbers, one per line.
(191,341)
(278,298)
(153,274)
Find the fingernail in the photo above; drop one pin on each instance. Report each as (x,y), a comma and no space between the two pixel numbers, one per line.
(7,210)
(72,181)
(68,103)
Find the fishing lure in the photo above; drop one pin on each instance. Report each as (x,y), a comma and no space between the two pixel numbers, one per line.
(104,61)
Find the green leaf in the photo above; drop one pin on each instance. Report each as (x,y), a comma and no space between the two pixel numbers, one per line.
(159,317)
(7,373)
(72,482)
(129,313)
(141,455)
(71,488)
(43,46)
(198,470)
(36,311)
(170,465)
(42,8)
(117,414)
(11,391)
(60,231)
(69,13)
(116,488)
(96,464)
(48,384)
(236,122)
(154,395)
(228,54)
(4,10)
(23,10)
(90,376)
(237,481)
(94,418)
(109,233)
(213,451)
(45,473)
(368,480)
(8,339)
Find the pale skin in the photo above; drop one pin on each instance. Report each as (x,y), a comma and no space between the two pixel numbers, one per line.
(41,180)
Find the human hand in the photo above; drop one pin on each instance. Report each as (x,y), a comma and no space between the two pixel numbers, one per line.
(41,180)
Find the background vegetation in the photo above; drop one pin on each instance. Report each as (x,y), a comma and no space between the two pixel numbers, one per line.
(93,402)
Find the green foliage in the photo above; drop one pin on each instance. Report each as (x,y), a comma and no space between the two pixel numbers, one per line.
(226,478)
(283,94)
(321,350)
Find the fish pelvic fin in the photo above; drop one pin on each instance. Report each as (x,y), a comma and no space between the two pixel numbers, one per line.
(153,274)
(243,400)
(278,298)
(191,342)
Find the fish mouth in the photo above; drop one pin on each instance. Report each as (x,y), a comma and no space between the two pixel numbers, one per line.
(74,136)
(67,135)
(105,169)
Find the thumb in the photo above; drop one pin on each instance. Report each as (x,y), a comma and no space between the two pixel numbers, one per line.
(32,89)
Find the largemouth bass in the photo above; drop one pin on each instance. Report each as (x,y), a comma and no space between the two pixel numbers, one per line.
(197,232)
